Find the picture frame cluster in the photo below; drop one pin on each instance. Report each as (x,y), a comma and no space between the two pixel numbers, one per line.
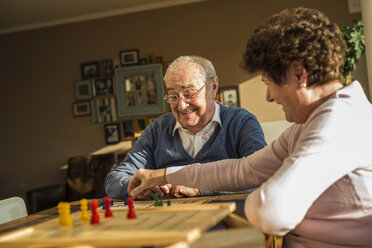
(96,84)
(128,86)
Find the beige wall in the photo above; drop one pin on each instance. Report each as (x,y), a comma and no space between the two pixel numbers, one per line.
(253,97)
(38,68)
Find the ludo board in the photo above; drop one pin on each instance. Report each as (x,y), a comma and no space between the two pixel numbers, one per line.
(150,204)
(157,226)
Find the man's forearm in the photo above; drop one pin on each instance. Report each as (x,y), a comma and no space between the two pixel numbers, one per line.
(116,184)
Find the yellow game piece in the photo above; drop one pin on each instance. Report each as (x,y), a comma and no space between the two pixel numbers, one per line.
(64,214)
(84,210)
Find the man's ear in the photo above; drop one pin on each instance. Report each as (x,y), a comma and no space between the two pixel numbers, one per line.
(214,87)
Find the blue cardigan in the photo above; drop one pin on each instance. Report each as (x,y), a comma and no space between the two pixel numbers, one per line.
(239,136)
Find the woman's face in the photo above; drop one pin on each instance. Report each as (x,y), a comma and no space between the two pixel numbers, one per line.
(293,97)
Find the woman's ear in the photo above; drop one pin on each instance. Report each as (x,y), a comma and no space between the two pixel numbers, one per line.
(300,72)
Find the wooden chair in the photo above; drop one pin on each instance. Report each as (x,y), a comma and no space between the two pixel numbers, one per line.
(86,176)
(12,208)
(45,197)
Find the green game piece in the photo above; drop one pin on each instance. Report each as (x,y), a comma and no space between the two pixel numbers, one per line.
(168,203)
(160,203)
(156,197)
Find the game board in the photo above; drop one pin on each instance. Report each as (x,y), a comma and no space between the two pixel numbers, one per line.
(156,226)
(149,204)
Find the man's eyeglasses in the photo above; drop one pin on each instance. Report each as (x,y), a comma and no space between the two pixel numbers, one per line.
(187,97)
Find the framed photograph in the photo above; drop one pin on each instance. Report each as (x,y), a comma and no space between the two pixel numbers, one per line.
(112,133)
(107,67)
(103,86)
(140,90)
(129,57)
(90,70)
(104,110)
(159,59)
(151,59)
(142,61)
(141,124)
(127,128)
(83,89)
(116,62)
(81,108)
(229,96)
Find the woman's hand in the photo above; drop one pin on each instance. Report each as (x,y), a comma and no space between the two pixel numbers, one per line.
(145,181)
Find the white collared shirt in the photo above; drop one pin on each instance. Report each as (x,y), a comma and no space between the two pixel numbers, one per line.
(193,143)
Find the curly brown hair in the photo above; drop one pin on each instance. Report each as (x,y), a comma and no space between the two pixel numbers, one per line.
(300,34)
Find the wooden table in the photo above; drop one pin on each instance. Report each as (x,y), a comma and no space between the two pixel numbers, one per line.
(239,232)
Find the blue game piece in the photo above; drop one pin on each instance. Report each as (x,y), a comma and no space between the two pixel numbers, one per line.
(125,199)
(104,205)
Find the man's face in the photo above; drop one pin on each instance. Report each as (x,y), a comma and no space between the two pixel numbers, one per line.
(193,114)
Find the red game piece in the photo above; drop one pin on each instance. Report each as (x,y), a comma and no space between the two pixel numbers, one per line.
(131,213)
(95,216)
(108,212)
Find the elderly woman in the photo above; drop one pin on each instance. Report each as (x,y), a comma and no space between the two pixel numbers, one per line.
(315,180)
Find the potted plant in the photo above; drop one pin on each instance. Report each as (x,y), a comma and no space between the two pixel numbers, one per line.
(355,47)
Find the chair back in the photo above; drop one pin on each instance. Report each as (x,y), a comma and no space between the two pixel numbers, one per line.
(12,208)
(45,197)
(86,176)
(272,130)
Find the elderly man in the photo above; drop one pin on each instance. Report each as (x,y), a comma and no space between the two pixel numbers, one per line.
(198,130)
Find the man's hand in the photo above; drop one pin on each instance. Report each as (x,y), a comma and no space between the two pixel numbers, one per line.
(181,191)
(145,180)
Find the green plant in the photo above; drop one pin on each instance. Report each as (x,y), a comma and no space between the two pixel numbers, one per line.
(355,44)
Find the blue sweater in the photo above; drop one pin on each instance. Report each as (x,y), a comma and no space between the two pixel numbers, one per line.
(239,136)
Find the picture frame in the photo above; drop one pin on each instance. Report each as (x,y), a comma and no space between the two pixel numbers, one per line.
(129,57)
(112,133)
(128,129)
(107,67)
(103,86)
(141,124)
(229,96)
(142,61)
(116,63)
(81,109)
(140,90)
(90,69)
(104,110)
(159,59)
(151,59)
(83,89)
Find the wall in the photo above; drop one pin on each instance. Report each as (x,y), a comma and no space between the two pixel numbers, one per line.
(38,68)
